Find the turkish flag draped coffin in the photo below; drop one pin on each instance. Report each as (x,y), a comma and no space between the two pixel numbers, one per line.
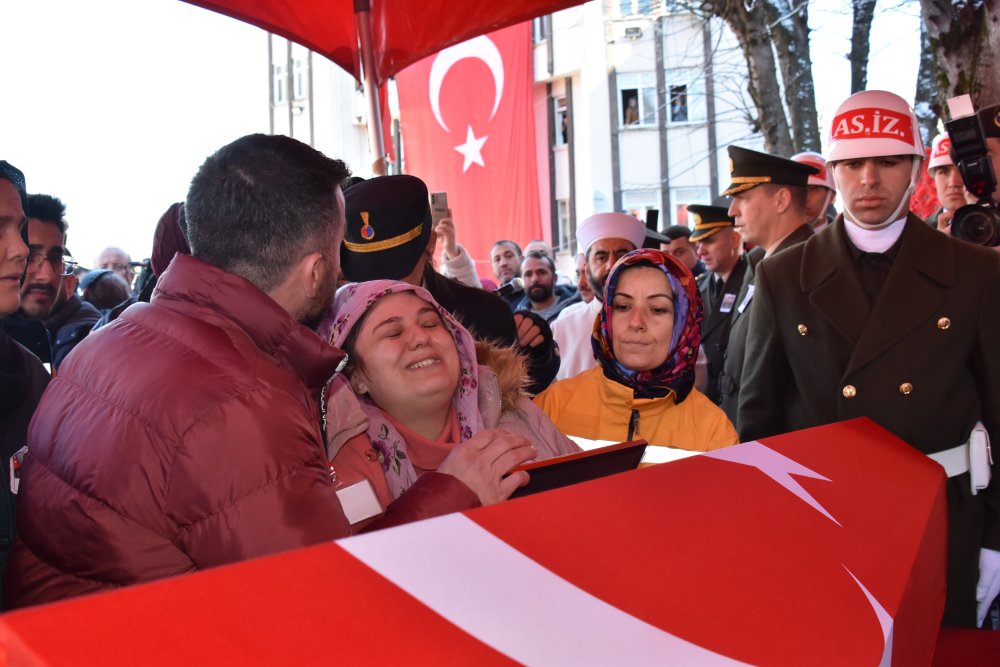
(468,129)
(821,547)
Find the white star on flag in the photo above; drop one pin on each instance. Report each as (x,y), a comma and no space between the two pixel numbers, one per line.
(472,150)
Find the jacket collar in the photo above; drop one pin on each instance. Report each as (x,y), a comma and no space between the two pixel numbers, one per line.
(189,280)
(800,234)
(68,312)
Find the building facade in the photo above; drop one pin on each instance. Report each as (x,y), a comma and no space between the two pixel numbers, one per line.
(637,100)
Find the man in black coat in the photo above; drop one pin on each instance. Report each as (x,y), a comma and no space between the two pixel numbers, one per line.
(720,249)
(22,377)
(389,236)
(769,206)
(882,317)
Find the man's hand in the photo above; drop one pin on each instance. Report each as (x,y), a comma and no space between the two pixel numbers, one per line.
(446,234)
(944,221)
(482,461)
(529,334)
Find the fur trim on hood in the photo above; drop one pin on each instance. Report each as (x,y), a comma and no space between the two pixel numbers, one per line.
(510,368)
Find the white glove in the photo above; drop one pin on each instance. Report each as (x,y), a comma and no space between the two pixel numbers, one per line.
(989,583)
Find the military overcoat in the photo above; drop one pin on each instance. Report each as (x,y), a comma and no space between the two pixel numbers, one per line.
(732,368)
(924,362)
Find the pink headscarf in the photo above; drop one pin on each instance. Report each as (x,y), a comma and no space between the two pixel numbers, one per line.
(349,307)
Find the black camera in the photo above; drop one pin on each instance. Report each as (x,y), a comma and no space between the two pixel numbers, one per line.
(977,223)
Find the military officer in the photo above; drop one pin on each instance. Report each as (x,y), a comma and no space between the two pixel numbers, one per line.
(880,316)
(720,248)
(769,205)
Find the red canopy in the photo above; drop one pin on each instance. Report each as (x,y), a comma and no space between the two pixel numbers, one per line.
(404,31)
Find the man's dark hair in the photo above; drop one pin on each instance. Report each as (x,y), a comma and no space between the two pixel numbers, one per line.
(503,241)
(535,254)
(48,209)
(674,232)
(258,205)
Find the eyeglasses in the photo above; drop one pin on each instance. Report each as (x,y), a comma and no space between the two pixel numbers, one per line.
(63,265)
(121,268)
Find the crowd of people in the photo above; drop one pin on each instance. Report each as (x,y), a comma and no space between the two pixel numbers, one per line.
(274,410)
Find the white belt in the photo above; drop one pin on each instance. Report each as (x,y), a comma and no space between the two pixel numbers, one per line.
(973,457)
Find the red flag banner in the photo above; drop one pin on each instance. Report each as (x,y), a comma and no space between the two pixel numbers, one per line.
(468,130)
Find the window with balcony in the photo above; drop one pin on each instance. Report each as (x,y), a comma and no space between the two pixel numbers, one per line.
(637,96)
(686,96)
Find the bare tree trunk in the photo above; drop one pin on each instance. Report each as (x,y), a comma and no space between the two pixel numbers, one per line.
(750,28)
(864,14)
(925,101)
(790,31)
(965,41)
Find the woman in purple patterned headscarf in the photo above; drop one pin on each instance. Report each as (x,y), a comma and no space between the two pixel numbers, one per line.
(646,342)
(424,387)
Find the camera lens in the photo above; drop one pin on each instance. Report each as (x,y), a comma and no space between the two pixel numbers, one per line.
(977,224)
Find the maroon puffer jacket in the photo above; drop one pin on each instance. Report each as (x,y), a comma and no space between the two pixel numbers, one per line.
(183,436)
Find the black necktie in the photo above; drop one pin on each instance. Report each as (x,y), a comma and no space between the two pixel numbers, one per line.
(716,288)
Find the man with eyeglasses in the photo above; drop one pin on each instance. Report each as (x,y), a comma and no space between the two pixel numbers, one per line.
(22,377)
(118,261)
(52,319)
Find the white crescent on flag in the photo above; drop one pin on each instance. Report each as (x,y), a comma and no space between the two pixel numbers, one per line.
(482,48)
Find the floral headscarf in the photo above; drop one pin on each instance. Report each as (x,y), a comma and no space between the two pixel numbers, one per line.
(676,374)
(349,307)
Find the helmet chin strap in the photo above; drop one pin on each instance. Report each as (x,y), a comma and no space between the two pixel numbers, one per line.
(827,200)
(903,205)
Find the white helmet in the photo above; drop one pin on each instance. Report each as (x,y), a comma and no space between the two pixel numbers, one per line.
(824,178)
(877,123)
(940,152)
(874,123)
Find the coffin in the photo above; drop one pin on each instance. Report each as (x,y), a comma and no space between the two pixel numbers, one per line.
(823,546)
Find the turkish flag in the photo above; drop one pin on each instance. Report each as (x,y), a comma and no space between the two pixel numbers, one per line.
(467,117)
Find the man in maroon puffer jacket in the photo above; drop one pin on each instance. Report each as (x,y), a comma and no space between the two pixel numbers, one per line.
(187,434)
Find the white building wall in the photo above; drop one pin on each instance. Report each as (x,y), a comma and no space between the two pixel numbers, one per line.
(594,190)
(581,51)
(330,116)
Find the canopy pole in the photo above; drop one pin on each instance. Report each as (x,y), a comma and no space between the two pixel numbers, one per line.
(363,24)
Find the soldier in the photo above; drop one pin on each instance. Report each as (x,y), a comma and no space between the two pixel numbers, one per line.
(769,205)
(880,316)
(720,249)
(821,190)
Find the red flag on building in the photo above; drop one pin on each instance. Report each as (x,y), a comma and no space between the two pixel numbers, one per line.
(468,130)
